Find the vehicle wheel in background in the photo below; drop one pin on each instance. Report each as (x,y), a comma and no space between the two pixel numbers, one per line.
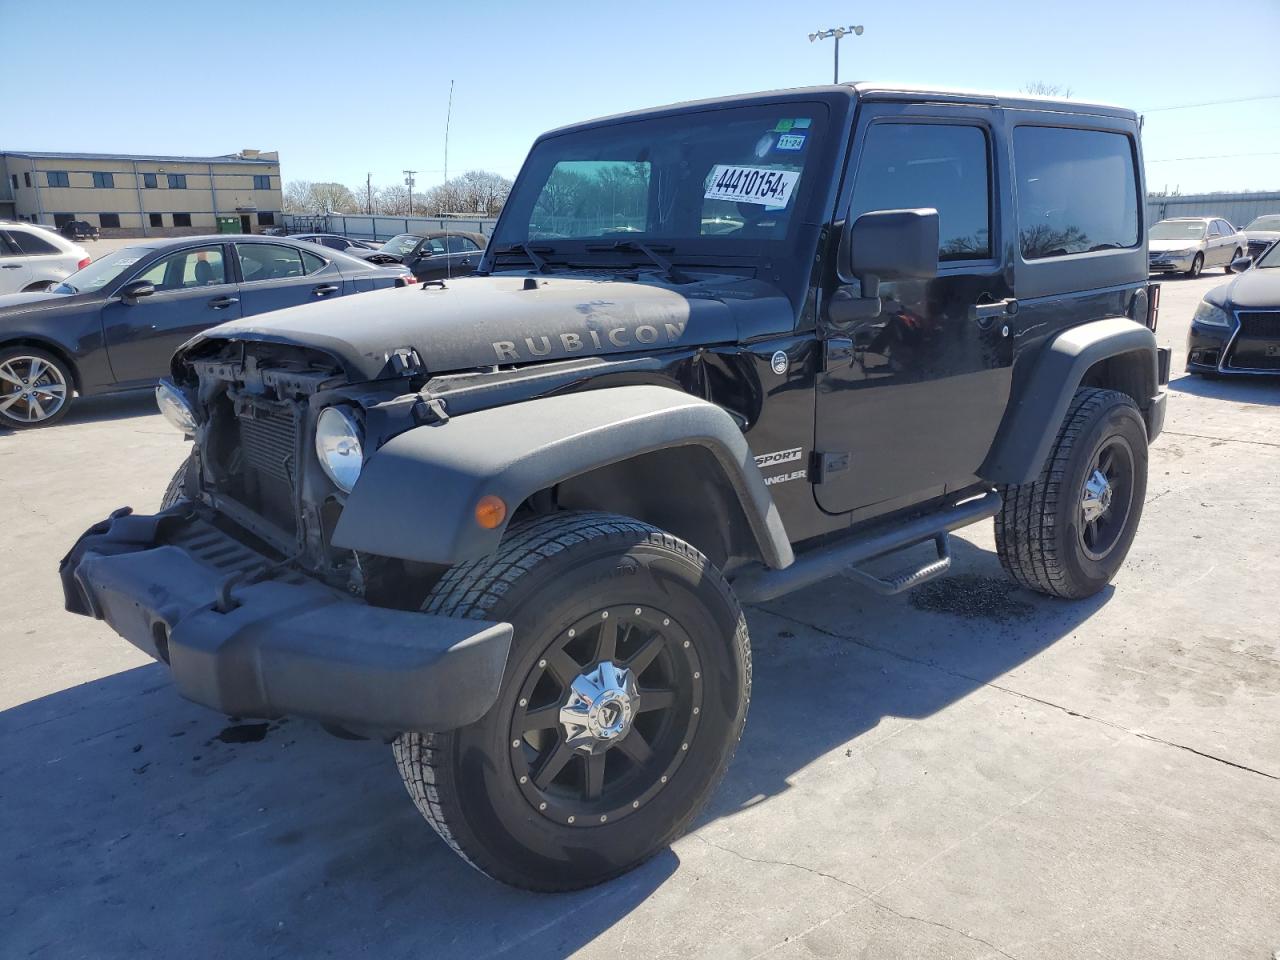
(1067,532)
(176,491)
(36,388)
(1234,257)
(1196,266)
(39,286)
(624,697)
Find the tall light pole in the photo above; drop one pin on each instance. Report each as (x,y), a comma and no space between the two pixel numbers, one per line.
(408,182)
(837,33)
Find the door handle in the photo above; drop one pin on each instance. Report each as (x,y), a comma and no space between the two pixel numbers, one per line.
(992,311)
(325,289)
(10,266)
(219,303)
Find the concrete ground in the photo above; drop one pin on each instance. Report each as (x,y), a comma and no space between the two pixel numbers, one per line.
(971,772)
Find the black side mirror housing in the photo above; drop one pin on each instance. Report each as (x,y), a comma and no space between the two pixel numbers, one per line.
(883,245)
(1241,263)
(137,289)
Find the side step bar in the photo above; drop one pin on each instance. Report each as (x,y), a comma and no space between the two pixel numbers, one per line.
(758,585)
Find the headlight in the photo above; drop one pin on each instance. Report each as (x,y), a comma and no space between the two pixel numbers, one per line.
(340,447)
(1211,315)
(173,404)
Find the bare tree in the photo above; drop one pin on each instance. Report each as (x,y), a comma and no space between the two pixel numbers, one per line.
(297,196)
(476,191)
(1042,88)
(303,196)
(393,200)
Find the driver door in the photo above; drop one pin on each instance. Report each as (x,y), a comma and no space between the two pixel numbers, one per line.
(910,401)
(194,290)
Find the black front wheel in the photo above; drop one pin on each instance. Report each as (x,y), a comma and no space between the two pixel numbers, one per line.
(36,388)
(625,695)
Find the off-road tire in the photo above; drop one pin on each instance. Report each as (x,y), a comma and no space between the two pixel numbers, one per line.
(61,372)
(1197,265)
(1038,527)
(176,491)
(548,572)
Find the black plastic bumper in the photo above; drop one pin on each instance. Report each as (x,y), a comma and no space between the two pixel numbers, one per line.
(288,645)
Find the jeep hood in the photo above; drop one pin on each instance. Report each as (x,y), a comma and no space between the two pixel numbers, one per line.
(485,321)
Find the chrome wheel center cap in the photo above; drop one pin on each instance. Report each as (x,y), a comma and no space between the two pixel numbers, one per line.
(600,707)
(1097,496)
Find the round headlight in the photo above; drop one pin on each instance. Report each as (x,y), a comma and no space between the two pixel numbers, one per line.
(340,447)
(1211,315)
(173,404)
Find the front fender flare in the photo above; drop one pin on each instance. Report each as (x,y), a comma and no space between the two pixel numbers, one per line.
(416,496)
(1032,422)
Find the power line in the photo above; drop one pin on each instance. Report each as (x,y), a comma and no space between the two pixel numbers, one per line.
(1218,156)
(1212,103)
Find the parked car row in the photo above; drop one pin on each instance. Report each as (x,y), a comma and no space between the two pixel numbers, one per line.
(431,254)
(113,324)
(1188,245)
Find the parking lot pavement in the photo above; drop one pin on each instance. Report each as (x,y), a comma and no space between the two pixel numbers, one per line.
(971,771)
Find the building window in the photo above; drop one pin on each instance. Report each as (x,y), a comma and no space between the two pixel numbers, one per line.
(60,220)
(149,181)
(261,181)
(108,219)
(26,176)
(104,180)
(157,219)
(58,178)
(14,178)
(266,219)
(182,219)
(177,181)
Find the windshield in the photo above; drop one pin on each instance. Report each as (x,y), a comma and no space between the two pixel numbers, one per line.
(401,245)
(1178,230)
(691,181)
(102,271)
(1271,258)
(1269,222)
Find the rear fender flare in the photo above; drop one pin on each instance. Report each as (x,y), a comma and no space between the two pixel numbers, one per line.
(417,494)
(1031,424)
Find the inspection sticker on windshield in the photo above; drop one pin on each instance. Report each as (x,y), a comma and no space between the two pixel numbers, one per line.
(791,141)
(751,184)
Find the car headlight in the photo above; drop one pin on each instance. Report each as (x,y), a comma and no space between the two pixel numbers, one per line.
(340,447)
(175,407)
(1211,315)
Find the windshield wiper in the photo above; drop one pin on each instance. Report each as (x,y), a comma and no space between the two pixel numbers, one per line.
(673,273)
(531,252)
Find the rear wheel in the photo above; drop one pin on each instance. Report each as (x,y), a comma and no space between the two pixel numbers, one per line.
(1067,533)
(35,388)
(625,695)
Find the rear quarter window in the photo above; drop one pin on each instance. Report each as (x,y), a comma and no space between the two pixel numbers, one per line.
(1077,191)
(29,243)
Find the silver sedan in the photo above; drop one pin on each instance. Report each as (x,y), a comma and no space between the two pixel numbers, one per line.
(1190,244)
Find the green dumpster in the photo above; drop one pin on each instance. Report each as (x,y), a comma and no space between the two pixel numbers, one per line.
(228,224)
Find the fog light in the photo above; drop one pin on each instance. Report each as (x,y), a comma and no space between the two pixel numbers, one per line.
(173,404)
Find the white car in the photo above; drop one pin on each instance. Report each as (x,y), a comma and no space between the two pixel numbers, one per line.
(1261,233)
(1189,244)
(32,258)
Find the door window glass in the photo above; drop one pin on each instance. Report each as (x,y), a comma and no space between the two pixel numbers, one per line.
(28,242)
(200,267)
(461,245)
(269,261)
(1077,191)
(313,263)
(944,166)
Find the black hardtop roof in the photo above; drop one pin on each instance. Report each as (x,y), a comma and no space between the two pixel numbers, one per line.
(870,92)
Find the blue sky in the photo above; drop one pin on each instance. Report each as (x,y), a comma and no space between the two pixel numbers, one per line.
(341,89)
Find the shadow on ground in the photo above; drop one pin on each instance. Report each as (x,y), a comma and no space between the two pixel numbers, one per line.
(115,406)
(140,824)
(1240,388)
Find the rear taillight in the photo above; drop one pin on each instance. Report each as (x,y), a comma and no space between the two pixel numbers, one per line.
(84,263)
(406,280)
(1153,305)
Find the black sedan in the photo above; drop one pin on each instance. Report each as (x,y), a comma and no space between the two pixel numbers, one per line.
(1236,328)
(432,254)
(113,325)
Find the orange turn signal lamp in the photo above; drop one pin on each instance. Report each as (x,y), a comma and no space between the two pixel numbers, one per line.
(490,511)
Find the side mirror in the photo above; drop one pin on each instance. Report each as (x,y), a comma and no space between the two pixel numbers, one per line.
(883,245)
(1241,263)
(891,245)
(136,290)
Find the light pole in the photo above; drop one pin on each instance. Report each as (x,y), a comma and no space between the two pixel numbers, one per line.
(408,182)
(837,33)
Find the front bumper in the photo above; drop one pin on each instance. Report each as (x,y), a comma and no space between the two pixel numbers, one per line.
(1163,263)
(1232,350)
(286,644)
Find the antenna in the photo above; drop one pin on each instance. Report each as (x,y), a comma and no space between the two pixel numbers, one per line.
(448,118)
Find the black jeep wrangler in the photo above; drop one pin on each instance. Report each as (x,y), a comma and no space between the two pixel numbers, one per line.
(715,352)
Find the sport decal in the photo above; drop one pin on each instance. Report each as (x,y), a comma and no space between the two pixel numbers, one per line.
(779,456)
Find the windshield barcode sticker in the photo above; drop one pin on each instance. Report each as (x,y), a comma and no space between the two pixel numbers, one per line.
(751,184)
